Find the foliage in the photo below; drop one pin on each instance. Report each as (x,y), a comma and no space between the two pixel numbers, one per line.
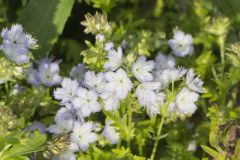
(17,148)
(67,30)
(46,22)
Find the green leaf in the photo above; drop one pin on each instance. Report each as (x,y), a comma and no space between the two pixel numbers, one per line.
(121,152)
(204,63)
(45,20)
(138,158)
(7,139)
(210,151)
(25,146)
(230,8)
(18,158)
(160,137)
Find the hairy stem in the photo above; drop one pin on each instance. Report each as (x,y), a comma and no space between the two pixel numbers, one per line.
(158,135)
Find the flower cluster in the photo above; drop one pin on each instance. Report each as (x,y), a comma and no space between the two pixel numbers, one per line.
(9,71)
(16,44)
(96,23)
(47,73)
(167,73)
(88,92)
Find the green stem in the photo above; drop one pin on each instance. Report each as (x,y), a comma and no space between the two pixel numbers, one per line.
(222,48)
(221,44)
(140,150)
(7,89)
(164,114)
(158,135)
(119,143)
(172,86)
(129,125)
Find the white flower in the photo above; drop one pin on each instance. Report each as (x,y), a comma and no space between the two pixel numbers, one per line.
(111,102)
(108,46)
(73,147)
(142,68)
(181,44)
(119,83)
(86,102)
(172,107)
(17,89)
(66,155)
(67,92)
(146,92)
(192,146)
(163,62)
(148,96)
(185,101)
(169,75)
(64,122)
(76,112)
(16,44)
(97,127)
(195,84)
(110,133)
(100,37)
(77,72)
(5,79)
(124,44)
(83,136)
(114,59)
(93,81)
(48,72)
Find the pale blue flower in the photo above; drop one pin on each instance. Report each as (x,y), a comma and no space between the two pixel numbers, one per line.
(114,59)
(185,101)
(86,102)
(119,83)
(66,155)
(110,100)
(94,81)
(100,37)
(149,96)
(16,44)
(110,133)
(167,76)
(181,44)
(65,120)
(194,84)
(48,72)
(36,126)
(164,62)
(109,46)
(83,135)
(77,72)
(142,69)
(31,76)
(67,92)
